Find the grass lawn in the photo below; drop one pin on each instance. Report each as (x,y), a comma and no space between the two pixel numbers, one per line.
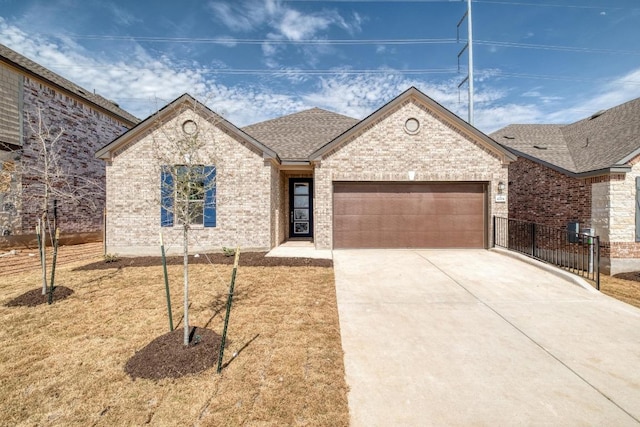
(622,289)
(64,364)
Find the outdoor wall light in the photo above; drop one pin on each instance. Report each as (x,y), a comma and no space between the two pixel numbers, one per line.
(501,187)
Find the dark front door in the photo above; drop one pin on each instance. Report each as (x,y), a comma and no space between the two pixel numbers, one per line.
(300,207)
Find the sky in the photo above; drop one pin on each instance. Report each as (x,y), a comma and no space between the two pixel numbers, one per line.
(535,61)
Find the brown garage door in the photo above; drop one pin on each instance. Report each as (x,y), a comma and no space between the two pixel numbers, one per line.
(393,215)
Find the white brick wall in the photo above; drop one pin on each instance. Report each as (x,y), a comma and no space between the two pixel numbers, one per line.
(244,196)
(385,152)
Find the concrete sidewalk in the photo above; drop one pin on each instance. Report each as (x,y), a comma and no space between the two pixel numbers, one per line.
(474,337)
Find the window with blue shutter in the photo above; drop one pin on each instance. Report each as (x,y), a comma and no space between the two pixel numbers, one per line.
(196,189)
(166,198)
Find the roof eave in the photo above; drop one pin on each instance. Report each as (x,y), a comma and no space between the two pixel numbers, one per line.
(131,120)
(106,152)
(635,153)
(614,169)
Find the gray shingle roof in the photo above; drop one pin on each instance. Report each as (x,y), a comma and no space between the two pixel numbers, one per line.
(14,58)
(296,136)
(602,141)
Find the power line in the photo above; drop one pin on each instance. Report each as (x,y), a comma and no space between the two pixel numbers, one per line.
(232,41)
(556,47)
(568,6)
(354,42)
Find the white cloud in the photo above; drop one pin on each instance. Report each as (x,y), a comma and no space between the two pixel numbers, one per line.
(282,23)
(122,17)
(493,117)
(615,92)
(141,83)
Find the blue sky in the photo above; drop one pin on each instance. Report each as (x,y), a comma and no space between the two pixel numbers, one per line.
(536,61)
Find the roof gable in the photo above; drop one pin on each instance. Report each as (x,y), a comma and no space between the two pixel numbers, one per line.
(297,135)
(440,112)
(171,110)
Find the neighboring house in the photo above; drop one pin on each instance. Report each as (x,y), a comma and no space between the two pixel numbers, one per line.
(88,122)
(412,174)
(586,172)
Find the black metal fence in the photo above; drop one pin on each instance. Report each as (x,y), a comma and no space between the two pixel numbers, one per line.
(578,253)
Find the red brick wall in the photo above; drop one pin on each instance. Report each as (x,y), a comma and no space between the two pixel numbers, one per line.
(542,195)
(85,131)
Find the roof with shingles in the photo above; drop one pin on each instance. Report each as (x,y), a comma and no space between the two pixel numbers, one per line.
(296,136)
(604,140)
(21,62)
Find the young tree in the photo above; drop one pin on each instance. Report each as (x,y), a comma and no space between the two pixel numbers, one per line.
(48,181)
(188,178)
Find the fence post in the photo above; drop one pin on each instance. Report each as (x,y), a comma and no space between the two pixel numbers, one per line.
(597,262)
(494,232)
(533,239)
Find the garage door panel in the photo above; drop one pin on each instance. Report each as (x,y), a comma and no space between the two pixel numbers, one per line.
(391,239)
(388,205)
(380,215)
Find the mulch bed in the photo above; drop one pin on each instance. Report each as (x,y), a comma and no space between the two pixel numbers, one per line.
(167,356)
(35,297)
(634,275)
(248,259)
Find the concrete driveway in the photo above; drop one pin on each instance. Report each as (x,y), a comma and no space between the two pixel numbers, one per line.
(475,337)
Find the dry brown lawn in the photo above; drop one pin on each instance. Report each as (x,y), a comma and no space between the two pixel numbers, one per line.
(622,289)
(64,364)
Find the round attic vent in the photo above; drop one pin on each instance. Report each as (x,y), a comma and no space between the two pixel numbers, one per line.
(189,127)
(412,126)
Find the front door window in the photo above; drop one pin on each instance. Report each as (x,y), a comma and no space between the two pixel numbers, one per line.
(301,207)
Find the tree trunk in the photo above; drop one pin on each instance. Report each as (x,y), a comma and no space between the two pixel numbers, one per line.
(185,237)
(42,244)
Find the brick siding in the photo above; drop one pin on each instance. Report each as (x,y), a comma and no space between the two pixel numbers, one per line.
(244,199)
(85,131)
(385,152)
(541,195)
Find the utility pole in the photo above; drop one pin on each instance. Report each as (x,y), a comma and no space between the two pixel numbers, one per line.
(469,47)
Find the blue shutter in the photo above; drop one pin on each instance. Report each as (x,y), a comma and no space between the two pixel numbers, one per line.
(210,196)
(166,199)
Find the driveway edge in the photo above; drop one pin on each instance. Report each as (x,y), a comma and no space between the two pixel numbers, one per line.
(569,277)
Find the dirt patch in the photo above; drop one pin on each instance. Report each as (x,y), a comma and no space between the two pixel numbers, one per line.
(167,356)
(247,259)
(634,276)
(34,297)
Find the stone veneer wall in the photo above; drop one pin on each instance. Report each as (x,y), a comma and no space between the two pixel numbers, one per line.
(622,253)
(277,207)
(85,131)
(541,195)
(243,195)
(385,152)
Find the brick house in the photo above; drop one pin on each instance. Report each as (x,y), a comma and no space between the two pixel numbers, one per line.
(89,121)
(586,172)
(412,174)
